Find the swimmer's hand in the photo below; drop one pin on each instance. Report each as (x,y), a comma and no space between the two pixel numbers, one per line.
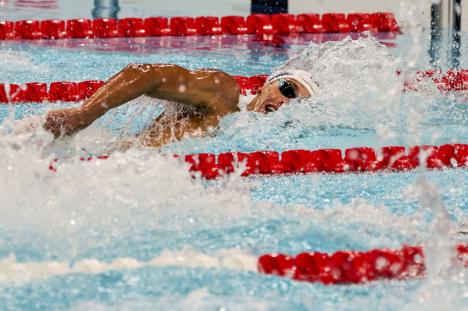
(65,121)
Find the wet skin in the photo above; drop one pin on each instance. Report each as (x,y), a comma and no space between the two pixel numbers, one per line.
(203,97)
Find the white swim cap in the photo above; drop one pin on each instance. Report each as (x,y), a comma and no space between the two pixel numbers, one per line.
(301,76)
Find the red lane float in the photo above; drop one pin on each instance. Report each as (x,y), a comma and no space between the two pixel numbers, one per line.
(364,159)
(37,92)
(351,267)
(452,80)
(203,25)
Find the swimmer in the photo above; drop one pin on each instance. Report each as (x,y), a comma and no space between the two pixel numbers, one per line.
(201,98)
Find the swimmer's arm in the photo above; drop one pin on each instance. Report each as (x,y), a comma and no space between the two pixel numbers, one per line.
(211,92)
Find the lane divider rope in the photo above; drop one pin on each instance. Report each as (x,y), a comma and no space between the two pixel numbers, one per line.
(66,91)
(202,25)
(361,159)
(341,267)
(350,267)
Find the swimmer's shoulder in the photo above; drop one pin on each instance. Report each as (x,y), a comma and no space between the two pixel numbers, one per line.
(223,88)
(210,91)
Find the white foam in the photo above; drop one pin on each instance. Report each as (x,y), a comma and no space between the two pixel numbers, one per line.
(86,207)
(13,272)
(20,61)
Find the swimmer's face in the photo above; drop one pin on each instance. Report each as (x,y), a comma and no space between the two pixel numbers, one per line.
(273,95)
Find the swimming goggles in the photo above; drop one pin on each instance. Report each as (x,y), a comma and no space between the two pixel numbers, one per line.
(287,89)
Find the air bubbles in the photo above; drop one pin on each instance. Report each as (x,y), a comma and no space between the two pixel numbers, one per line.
(381,263)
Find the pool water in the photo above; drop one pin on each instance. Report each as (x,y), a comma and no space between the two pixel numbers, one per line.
(136,232)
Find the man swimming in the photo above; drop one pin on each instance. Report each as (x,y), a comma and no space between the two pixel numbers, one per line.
(201,98)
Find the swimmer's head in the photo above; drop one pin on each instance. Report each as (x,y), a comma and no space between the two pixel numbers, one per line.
(280,88)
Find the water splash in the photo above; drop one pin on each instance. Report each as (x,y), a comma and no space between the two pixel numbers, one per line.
(446,282)
(18,61)
(142,205)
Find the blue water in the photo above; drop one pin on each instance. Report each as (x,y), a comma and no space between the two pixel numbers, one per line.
(141,205)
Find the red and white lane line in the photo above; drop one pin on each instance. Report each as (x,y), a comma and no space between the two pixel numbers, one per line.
(341,267)
(354,160)
(203,25)
(66,91)
(14,272)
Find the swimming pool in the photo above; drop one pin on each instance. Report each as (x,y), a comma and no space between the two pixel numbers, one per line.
(141,233)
